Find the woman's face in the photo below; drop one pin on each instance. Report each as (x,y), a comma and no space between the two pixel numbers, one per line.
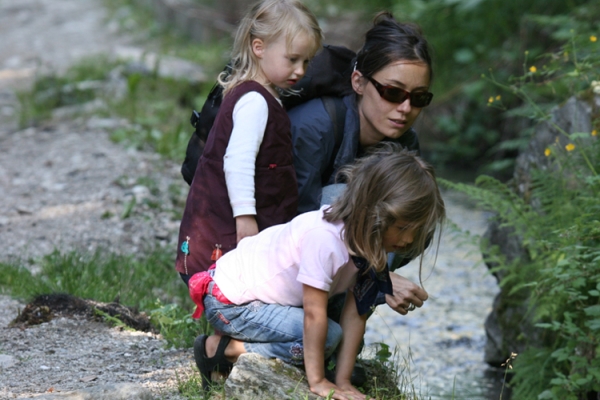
(379,118)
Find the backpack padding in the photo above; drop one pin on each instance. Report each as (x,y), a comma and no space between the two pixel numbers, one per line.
(202,122)
(336,109)
(327,74)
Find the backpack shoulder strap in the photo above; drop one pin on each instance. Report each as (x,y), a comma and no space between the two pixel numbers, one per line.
(336,109)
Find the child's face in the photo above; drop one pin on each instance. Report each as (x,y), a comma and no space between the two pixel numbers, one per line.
(399,235)
(282,66)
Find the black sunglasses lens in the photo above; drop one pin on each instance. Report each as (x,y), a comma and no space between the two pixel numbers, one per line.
(399,96)
(420,99)
(395,95)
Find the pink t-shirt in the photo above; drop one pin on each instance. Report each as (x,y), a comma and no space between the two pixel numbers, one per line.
(273,265)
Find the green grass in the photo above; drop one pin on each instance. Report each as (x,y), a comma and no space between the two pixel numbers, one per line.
(149,284)
(102,276)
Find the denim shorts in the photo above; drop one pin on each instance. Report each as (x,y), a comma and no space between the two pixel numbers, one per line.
(271,330)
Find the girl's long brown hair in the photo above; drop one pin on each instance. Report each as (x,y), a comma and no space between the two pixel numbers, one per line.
(390,184)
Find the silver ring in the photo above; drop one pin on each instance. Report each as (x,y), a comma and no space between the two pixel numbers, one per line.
(411,307)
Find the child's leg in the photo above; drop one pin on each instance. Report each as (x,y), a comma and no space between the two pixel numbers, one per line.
(271,330)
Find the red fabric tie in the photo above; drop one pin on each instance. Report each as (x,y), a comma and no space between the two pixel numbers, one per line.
(198,286)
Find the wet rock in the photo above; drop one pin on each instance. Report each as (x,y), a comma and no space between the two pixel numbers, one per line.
(508,328)
(255,377)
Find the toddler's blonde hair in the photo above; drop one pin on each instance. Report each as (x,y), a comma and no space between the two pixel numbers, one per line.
(268,20)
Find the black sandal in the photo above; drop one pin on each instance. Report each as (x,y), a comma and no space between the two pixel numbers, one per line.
(216,363)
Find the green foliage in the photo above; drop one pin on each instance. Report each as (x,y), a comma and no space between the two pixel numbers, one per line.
(80,84)
(176,324)
(137,18)
(147,283)
(100,276)
(157,108)
(557,220)
(113,321)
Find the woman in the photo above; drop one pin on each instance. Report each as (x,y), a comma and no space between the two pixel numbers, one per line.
(391,80)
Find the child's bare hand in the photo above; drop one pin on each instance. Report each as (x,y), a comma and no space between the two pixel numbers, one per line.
(354,393)
(323,388)
(405,293)
(245,225)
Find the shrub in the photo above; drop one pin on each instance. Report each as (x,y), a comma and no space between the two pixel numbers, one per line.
(558,222)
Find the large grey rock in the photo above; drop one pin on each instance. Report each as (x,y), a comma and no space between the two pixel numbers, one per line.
(257,378)
(573,116)
(508,327)
(121,391)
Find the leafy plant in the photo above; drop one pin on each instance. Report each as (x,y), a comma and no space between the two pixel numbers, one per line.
(557,219)
(176,324)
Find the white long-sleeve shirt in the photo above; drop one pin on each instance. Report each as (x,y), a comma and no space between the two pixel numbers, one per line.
(249,123)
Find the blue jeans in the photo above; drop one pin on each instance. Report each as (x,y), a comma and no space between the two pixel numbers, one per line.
(271,330)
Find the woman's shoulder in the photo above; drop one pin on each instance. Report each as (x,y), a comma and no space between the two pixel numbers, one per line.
(310,111)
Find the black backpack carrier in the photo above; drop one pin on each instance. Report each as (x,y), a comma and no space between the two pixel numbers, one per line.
(327,76)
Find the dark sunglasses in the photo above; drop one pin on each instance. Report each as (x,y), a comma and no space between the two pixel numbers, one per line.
(394,94)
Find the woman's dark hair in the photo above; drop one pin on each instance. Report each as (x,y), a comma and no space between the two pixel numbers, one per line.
(389,41)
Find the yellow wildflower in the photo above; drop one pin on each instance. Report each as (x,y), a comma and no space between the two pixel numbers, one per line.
(594,133)
(498,97)
(491,99)
(532,69)
(570,147)
(547,152)
(593,38)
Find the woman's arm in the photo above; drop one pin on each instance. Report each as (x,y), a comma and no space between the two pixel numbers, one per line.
(312,136)
(353,326)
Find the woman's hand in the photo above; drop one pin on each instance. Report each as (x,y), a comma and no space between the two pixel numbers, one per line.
(323,388)
(245,225)
(405,294)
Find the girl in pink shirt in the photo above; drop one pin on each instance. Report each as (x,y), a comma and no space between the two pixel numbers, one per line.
(269,295)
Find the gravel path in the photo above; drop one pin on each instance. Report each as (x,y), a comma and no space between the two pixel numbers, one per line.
(65,185)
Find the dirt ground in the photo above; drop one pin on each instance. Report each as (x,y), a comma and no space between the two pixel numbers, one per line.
(65,185)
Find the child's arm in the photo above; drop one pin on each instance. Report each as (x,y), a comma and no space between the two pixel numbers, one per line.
(245,225)
(353,326)
(315,334)
(239,163)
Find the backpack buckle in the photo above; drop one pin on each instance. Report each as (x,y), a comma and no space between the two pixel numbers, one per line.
(195,117)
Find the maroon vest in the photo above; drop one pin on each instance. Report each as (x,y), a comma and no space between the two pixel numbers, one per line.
(208,217)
